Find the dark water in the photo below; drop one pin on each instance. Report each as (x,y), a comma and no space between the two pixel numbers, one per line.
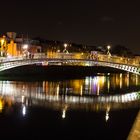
(101,107)
(47,123)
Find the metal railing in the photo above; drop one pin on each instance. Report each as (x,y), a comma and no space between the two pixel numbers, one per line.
(8,63)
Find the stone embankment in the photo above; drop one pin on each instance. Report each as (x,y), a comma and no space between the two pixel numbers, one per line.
(135,131)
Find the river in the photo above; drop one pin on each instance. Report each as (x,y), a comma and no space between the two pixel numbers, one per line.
(102,106)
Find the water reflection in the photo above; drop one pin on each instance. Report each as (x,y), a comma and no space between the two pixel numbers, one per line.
(23,110)
(64,109)
(107,113)
(1,104)
(91,93)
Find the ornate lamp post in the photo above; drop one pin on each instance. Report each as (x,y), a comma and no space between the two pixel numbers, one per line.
(108,50)
(65,48)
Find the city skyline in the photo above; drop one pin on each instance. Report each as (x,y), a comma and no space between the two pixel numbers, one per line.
(83,22)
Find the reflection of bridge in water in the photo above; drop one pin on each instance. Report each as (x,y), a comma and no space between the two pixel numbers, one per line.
(12,63)
(128,100)
(63,103)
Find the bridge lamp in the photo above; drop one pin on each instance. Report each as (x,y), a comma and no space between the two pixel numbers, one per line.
(65,45)
(108,50)
(65,48)
(108,47)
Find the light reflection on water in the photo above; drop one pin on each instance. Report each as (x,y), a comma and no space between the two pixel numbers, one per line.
(91,93)
(96,85)
(94,103)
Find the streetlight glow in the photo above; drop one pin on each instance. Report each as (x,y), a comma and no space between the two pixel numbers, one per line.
(65,48)
(65,45)
(25,46)
(108,47)
(108,50)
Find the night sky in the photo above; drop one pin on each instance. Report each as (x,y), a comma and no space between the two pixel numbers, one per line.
(95,22)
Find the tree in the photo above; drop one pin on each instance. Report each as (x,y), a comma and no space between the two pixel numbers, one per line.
(121,51)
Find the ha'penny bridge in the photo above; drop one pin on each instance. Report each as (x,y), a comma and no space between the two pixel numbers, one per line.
(9,63)
(70,101)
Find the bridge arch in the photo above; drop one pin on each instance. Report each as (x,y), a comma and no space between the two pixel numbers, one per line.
(5,65)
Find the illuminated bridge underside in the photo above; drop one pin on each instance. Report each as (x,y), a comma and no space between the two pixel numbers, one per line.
(80,62)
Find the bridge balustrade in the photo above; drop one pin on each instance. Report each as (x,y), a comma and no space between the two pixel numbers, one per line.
(71,59)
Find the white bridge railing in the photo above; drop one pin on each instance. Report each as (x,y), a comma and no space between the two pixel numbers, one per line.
(6,64)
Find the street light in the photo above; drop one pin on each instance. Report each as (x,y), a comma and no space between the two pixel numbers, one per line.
(65,45)
(108,50)
(65,48)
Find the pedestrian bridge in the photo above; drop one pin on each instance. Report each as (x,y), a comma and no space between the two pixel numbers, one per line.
(6,64)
